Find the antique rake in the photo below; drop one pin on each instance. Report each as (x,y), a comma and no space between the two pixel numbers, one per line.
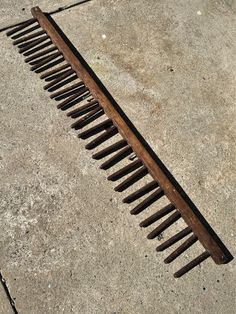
(71,81)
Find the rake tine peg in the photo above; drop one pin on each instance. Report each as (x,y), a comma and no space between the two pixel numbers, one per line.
(139,174)
(177,237)
(77,101)
(56,70)
(20,27)
(82,109)
(43,58)
(29,42)
(148,201)
(67,89)
(38,48)
(125,170)
(102,138)
(40,54)
(182,248)
(110,149)
(33,43)
(59,79)
(45,61)
(83,97)
(116,158)
(158,215)
(140,192)
(164,225)
(27,31)
(26,38)
(49,65)
(79,124)
(198,260)
(96,129)
(68,100)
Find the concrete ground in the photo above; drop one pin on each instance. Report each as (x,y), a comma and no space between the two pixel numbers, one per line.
(68,244)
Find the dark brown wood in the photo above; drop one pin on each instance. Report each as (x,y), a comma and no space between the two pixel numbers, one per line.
(83,110)
(158,215)
(29,42)
(183,247)
(110,149)
(45,61)
(96,129)
(25,32)
(26,38)
(164,225)
(141,192)
(192,264)
(80,123)
(40,54)
(136,176)
(33,44)
(102,138)
(89,105)
(125,170)
(73,97)
(62,76)
(38,48)
(54,71)
(177,237)
(147,202)
(21,26)
(125,152)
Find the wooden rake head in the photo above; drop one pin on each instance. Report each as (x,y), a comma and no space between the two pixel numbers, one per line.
(72,83)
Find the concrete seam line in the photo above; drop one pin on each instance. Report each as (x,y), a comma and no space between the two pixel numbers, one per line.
(10,299)
(60,9)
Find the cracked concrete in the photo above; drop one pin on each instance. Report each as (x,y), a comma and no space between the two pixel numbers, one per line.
(5,306)
(68,244)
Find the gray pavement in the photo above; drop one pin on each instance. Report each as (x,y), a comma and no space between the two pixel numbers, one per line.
(68,244)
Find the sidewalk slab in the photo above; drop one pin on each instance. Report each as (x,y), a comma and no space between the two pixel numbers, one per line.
(68,244)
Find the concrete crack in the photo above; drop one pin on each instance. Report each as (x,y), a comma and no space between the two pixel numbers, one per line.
(11,300)
(58,10)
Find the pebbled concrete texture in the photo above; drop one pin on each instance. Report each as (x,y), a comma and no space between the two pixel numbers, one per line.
(68,244)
